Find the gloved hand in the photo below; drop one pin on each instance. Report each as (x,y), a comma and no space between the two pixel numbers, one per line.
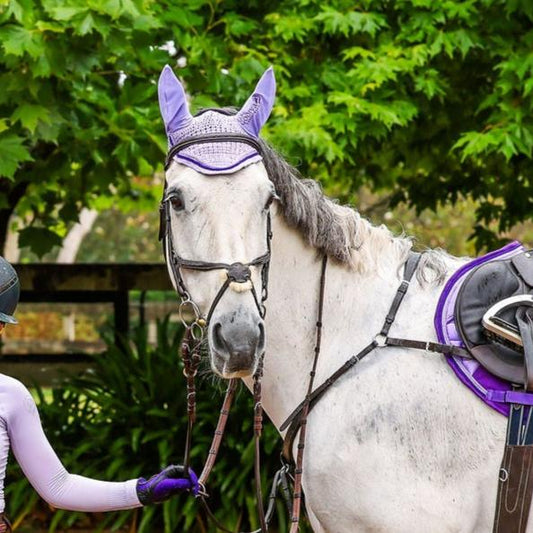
(168,482)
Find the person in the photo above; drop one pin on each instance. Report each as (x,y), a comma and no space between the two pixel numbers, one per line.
(21,430)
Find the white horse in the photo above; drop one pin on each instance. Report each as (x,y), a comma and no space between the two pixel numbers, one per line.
(398,444)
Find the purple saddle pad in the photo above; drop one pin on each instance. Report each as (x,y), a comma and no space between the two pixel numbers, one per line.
(492,390)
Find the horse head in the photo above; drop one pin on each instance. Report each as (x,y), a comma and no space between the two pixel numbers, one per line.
(216,220)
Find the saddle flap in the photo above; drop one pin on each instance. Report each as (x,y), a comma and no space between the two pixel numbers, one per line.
(500,361)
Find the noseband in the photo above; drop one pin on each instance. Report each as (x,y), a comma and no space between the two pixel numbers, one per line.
(235,272)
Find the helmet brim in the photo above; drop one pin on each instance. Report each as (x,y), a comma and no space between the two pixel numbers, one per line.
(8,319)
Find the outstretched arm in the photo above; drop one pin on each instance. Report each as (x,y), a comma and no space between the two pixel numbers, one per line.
(51,480)
(45,471)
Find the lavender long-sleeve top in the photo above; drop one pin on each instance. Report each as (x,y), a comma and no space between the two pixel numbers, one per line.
(20,428)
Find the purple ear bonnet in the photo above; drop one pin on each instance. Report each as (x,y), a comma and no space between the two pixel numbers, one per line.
(215,157)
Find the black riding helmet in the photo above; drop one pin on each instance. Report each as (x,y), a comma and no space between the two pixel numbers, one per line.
(9,292)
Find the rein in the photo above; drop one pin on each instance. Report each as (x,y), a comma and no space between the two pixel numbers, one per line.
(190,353)
(298,471)
(191,360)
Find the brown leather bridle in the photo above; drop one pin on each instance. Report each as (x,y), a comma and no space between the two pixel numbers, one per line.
(236,272)
(195,330)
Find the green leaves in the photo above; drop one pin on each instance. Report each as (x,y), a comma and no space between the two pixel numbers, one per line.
(376,93)
(291,27)
(78,107)
(40,240)
(29,115)
(13,154)
(508,141)
(17,40)
(350,23)
(389,113)
(65,13)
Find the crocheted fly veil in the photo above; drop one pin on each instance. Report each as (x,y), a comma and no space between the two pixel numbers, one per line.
(214,157)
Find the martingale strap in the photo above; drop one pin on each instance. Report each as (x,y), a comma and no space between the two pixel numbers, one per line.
(381,340)
(429,346)
(295,419)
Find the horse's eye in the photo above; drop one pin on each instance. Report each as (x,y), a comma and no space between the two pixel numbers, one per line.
(176,202)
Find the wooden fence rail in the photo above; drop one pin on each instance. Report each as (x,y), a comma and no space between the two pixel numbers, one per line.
(88,284)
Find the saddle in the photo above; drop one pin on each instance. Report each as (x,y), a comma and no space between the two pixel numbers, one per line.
(494,317)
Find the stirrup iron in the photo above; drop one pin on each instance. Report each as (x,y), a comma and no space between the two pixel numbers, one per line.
(501,330)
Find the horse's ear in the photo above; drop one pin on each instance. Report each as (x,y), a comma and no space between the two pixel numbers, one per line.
(172,101)
(256,110)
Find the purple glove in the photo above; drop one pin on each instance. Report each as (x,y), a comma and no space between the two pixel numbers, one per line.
(168,482)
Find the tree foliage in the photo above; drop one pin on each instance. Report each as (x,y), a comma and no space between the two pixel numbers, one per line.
(73,129)
(426,100)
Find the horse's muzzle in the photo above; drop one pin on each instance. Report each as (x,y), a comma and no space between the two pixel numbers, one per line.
(236,345)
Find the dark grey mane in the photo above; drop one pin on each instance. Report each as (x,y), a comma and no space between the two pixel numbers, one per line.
(339,231)
(306,208)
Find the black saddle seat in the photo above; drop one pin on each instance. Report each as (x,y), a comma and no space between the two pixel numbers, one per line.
(485,286)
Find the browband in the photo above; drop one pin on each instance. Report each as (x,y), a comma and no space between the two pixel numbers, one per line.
(213,138)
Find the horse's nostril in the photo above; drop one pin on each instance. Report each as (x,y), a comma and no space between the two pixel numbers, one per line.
(218,340)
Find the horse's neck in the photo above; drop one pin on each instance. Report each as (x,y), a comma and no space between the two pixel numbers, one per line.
(355,306)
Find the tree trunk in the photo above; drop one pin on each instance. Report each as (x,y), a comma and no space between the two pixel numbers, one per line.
(72,242)
(13,196)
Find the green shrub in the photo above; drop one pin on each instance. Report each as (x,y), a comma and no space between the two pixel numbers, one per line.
(126,417)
